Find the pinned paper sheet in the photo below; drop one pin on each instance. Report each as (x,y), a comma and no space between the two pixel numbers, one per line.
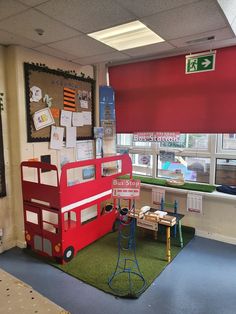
(56,140)
(84,150)
(87,117)
(71,136)
(194,203)
(157,196)
(84,104)
(65,118)
(77,119)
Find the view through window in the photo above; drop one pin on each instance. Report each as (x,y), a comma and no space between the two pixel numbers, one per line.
(202,158)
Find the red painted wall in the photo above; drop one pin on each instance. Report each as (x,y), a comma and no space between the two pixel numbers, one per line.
(157,95)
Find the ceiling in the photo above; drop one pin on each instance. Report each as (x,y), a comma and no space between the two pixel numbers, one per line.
(187,26)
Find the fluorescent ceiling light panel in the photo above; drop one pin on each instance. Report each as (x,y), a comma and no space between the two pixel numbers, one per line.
(127,36)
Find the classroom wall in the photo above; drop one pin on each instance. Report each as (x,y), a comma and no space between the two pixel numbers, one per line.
(15,137)
(7,222)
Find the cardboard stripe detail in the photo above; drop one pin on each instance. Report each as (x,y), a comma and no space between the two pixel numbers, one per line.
(69,104)
(69,99)
(69,90)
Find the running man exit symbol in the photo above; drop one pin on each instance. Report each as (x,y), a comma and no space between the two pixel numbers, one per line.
(200,63)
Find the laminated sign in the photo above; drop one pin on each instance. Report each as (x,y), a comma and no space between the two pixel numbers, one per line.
(194,203)
(122,188)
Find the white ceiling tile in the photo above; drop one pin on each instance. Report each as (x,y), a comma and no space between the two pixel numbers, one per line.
(225,43)
(7,39)
(220,34)
(108,57)
(55,52)
(149,7)
(191,19)
(10,7)
(24,24)
(199,48)
(32,3)
(229,9)
(82,46)
(87,16)
(149,50)
(177,21)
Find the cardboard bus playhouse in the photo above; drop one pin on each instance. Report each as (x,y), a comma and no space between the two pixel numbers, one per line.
(63,216)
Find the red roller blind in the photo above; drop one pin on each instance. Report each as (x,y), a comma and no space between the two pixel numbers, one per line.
(157,95)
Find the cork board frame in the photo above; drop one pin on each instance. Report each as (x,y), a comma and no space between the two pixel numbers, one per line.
(53,85)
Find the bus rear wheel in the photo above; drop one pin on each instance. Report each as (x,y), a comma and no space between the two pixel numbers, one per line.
(68,254)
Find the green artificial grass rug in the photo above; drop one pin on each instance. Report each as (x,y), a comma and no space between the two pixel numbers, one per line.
(208,188)
(96,263)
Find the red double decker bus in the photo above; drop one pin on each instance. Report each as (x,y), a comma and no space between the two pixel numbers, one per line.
(63,216)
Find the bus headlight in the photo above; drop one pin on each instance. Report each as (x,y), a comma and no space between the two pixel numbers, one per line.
(57,247)
(27,236)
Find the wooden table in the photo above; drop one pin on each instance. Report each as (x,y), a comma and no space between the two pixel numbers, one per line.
(179,217)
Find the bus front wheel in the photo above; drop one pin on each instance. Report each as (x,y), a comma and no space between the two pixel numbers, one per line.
(68,254)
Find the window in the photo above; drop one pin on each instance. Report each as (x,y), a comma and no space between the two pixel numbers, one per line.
(69,219)
(189,168)
(142,164)
(32,217)
(50,221)
(80,175)
(189,141)
(111,168)
(89,214)
(124,139)
(226,171)
(202,158)
(229,142)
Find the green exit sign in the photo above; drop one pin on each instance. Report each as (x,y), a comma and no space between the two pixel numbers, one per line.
(200,63)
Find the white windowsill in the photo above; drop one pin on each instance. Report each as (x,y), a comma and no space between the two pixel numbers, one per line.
(214,194)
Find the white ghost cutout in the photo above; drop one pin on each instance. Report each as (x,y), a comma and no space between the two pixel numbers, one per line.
(36,94)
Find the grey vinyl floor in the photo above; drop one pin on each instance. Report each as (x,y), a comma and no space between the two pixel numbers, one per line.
(200,280)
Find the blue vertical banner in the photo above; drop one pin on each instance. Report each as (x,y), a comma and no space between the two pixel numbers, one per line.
(106,103)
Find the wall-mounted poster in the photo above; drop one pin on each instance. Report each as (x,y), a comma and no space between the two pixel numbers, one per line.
(42,118)
(88,173)
(106,103)
(98,132)
(58,91)
(56,140)
(167,156)
(66,117)
(84,150)
(144,160)
(109,128)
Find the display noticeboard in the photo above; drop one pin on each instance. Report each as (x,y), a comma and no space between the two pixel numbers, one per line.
(122,188)
(58,98)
